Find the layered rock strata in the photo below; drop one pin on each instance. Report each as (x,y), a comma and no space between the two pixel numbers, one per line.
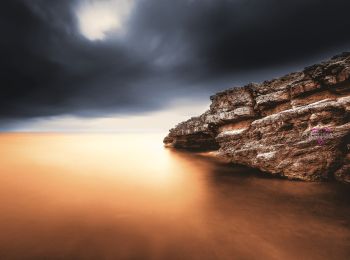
(296,126)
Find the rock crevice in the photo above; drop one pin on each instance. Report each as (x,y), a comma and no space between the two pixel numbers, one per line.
(296,126)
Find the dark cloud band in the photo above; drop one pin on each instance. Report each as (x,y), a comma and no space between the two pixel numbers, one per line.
(171,49)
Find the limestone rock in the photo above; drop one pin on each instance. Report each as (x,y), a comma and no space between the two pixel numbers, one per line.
(296,126)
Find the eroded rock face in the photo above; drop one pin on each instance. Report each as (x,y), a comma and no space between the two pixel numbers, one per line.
(297,126)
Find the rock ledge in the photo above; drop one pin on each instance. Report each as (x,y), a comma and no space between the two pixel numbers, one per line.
(296,126)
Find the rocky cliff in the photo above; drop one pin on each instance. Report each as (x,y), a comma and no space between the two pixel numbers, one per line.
(296,126)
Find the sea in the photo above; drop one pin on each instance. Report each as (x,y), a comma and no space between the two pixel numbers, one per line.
(125,196)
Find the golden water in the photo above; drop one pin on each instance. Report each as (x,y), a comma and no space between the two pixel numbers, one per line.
(83,196)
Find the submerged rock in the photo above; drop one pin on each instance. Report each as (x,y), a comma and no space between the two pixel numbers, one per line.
(296,126)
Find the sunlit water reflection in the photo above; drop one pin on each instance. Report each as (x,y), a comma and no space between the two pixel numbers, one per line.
(126,197)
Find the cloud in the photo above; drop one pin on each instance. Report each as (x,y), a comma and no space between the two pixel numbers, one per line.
(97,18)
(56,62)
(223,36)
(158,121)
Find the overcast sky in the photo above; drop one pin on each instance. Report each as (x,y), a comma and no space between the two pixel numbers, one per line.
(96,59)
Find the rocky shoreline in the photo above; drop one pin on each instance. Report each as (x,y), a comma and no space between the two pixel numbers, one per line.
(296,126)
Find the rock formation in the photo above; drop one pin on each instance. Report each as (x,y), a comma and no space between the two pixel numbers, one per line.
(296,126)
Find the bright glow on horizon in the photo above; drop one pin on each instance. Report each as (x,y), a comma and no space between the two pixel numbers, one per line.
(96,18)
(160,121)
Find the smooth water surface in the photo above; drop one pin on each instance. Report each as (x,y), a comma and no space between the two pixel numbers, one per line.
(121,196)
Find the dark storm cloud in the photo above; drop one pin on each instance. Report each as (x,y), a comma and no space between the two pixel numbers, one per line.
(170,49)
(223,36)
(48,68)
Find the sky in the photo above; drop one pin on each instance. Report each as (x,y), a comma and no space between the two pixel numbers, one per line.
(144,65)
